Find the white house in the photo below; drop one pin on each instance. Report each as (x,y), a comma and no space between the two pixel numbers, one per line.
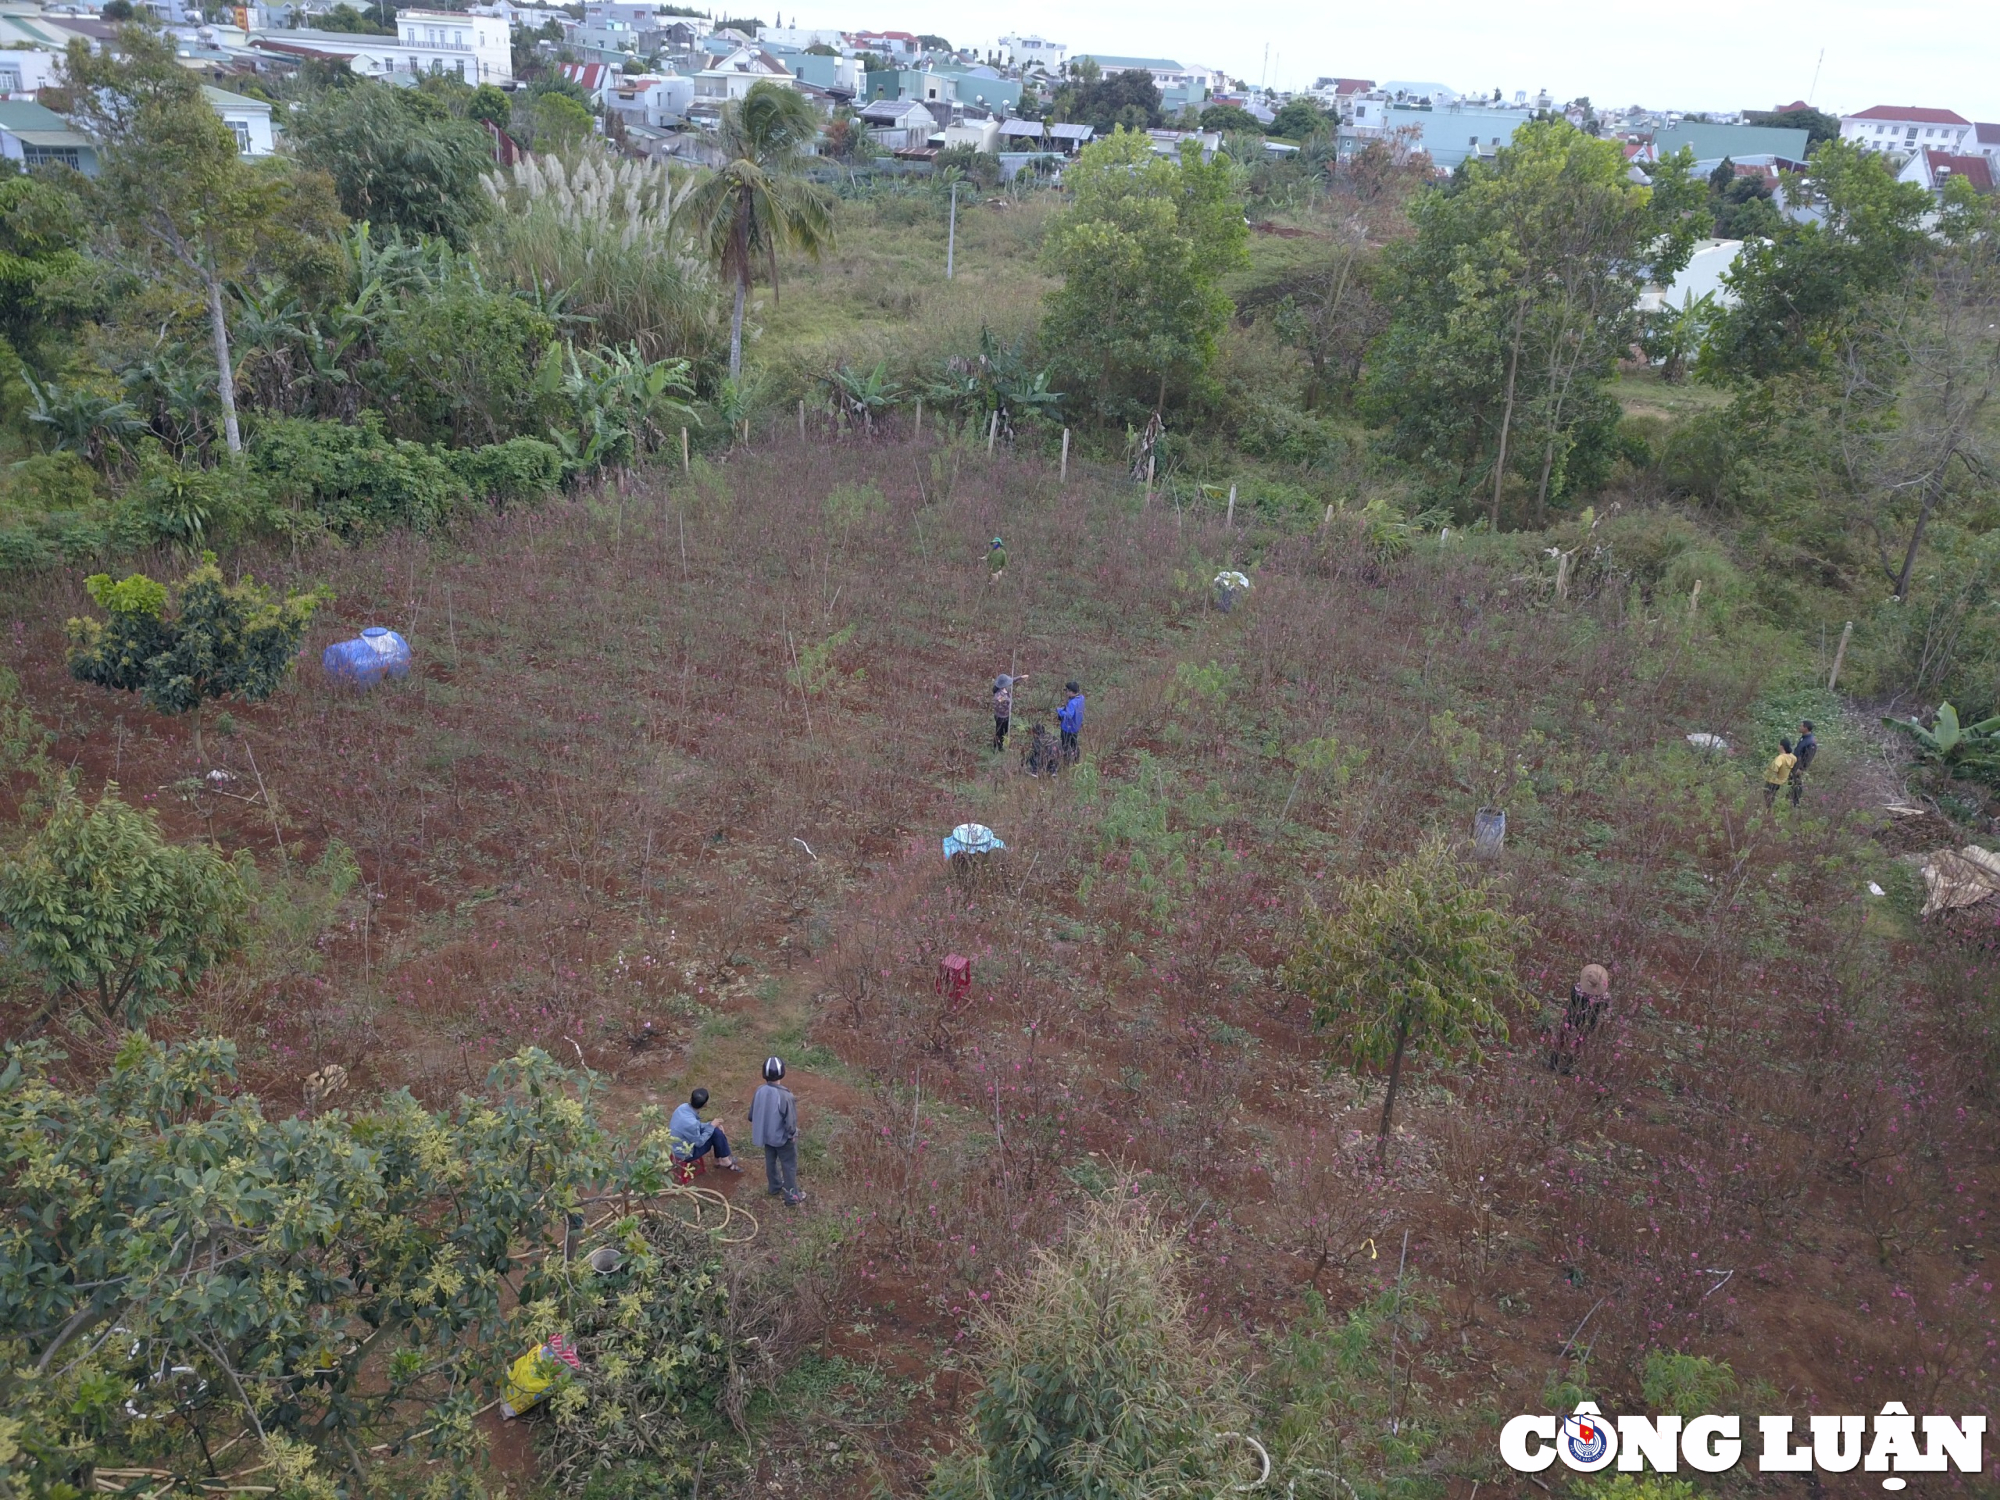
(1166,72)
(1033,51)
(250,119)
(1906,130)
(899,124)
(1986,141)
(732,77)
(1933,169)
(656,102)
(800,37)
(478,49)
(23,72)
(980,135)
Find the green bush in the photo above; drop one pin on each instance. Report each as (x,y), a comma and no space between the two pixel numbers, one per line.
(1687,1383)
(1284,434)
(191,508)
(520,471)
(49,482)
(352,481)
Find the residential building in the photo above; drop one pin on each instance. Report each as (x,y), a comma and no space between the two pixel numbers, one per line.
(800,37)
(249,119)
(925,85)
(1166,72)
(1033,52)
(478,49)
(1448,133)
(654,101)
(594,78)
(1905,130)
(1168,142)
(1339,94)
(980,135)
(32,135)
(1986,141)
(899,124)
(889,44)
(28,70)
(1438,95)
(733,76)
(837,75)
(979,87)
(1040,135)
(1711,143)
(1933,169)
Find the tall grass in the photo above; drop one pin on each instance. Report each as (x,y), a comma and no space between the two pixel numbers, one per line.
(602,242)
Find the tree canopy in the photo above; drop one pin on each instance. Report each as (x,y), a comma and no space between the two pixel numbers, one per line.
(399,158)
(1142,249)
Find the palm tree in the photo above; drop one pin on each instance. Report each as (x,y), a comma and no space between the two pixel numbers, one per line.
(755,204)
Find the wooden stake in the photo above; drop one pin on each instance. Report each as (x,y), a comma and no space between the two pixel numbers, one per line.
(992,432)
(1839,656)
(685,469)
(1694,599)
(920,416)
(1150,456)
(802,419)
(1229,519)
(1064,478)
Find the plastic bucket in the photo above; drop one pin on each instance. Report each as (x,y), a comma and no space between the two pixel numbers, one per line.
(1489,832)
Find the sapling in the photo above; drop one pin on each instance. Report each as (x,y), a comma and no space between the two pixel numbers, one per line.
(1422,957)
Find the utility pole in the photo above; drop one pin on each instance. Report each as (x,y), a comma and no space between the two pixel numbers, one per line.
(951,234)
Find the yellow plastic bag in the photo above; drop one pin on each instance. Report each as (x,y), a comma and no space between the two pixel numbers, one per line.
(531,1377)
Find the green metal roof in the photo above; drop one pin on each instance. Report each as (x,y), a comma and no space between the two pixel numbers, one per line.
(1711,142)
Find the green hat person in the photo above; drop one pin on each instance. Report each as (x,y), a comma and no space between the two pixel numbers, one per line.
(996,558)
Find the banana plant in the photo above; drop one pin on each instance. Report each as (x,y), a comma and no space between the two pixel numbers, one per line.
(862,395)
(1955,746)
(79,420)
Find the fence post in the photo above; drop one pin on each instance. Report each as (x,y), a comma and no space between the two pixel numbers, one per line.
(1150,456)
(802,419)
(1839,655)
(685,468)
(920,417)
(1063,478)
(1229,519)
(992,431)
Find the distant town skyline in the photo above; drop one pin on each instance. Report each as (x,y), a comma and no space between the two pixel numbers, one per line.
(1700,55)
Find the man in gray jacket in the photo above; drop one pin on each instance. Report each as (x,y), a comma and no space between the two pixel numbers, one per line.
(774,1125)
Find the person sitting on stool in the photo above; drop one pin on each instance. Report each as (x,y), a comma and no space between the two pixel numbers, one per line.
(694,1137)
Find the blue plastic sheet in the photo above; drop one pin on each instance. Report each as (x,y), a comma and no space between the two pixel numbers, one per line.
(971,838)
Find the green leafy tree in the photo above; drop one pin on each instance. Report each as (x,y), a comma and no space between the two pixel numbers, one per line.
(1818,125)
(1798,294)
(755,204)
(399,159)
(346,19)
(1231,119)
(178,649)
(1514,301)
(1123,101)
(1300,119)
(184,1277)
(1421,958)
(560,123)
(490,105)
(114,917)
(42,229)
(1142,250)
(172,177)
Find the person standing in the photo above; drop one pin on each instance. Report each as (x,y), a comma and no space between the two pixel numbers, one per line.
(1779,772)
(996,561)
(1069,719)
(1589,998)
(1003,707)
(1806,748)
(774,1125)
(694,1137)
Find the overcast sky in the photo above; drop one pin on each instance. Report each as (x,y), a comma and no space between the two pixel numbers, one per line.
(1697,54)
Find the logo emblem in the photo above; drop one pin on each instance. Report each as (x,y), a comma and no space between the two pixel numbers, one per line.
(1587,1441)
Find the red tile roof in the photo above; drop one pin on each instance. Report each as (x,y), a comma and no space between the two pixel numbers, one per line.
(1353,85)
(1976,170)
(1908,114)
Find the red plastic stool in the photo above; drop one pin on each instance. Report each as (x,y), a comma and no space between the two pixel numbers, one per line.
(686,1170)
(954,974)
